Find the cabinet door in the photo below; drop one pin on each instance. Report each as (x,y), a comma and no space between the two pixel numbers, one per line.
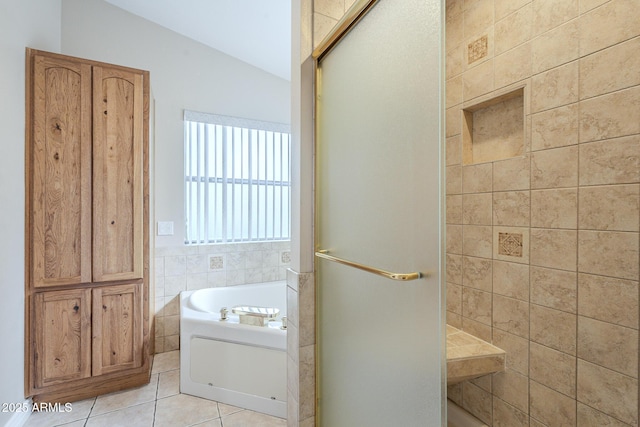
(60,163)
(117,328)
(118,109)
(63,334)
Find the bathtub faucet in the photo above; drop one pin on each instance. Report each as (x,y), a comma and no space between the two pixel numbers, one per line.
(223,313)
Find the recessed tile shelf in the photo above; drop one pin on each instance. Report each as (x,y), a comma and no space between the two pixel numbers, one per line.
(493,129)
(470,357)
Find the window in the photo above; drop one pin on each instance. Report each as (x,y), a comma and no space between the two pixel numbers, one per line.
(237,179)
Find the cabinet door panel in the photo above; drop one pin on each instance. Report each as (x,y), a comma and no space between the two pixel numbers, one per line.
(117,328)
(118,109)
(61,166)
(63,334)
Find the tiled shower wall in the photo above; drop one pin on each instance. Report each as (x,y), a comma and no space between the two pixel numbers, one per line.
(183,268)
(564,305)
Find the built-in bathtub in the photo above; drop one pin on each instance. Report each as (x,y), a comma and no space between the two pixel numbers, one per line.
(233,363)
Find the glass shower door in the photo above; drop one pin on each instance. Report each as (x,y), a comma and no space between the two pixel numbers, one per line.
(378,181)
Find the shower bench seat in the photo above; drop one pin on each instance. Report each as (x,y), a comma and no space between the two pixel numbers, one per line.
(470,357)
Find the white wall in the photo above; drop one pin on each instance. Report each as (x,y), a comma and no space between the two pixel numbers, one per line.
(33,23)
(184,74)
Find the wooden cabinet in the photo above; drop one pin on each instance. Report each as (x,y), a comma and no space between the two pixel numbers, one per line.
(87,165)
(117,323)
(87,288)
(62,336)
(60,171)
(117,174)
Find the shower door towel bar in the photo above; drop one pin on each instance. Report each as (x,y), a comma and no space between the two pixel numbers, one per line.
(393,276)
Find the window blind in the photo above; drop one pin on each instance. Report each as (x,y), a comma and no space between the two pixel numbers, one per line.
(237,179)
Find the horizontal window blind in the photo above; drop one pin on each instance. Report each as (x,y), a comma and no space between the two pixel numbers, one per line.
(237,179)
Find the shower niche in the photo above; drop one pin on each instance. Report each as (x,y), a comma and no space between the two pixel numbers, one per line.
(493,128)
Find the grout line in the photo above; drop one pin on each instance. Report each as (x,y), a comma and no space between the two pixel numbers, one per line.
(220,415)
(155,402)
(95,399)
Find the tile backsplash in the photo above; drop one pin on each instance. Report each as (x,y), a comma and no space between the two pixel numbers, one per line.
(186,268)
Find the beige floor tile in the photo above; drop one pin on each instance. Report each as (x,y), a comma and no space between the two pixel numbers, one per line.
(184,410)
(138,416)
(79,423)
(252,419)
(211,423)
(79,411)
(228,409)
(123,399)
(168,384)
(168,361)
(158,404)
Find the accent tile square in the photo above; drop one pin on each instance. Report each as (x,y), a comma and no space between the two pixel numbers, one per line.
(216,262)
(511,244)
(477,49)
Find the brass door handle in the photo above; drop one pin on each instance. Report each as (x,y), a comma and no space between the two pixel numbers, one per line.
(393,276)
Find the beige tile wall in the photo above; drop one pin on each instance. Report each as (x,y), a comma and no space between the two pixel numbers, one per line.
(301,349)
(568,314)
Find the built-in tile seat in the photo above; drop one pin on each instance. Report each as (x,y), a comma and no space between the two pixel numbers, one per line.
(470,357)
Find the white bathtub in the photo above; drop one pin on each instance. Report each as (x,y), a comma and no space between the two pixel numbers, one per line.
(233,363)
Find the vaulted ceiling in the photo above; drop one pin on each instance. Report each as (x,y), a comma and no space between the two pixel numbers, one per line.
(255,31)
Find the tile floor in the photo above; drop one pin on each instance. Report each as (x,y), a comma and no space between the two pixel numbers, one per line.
(158,404)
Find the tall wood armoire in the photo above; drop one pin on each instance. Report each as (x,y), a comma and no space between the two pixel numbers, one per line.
(87,236)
